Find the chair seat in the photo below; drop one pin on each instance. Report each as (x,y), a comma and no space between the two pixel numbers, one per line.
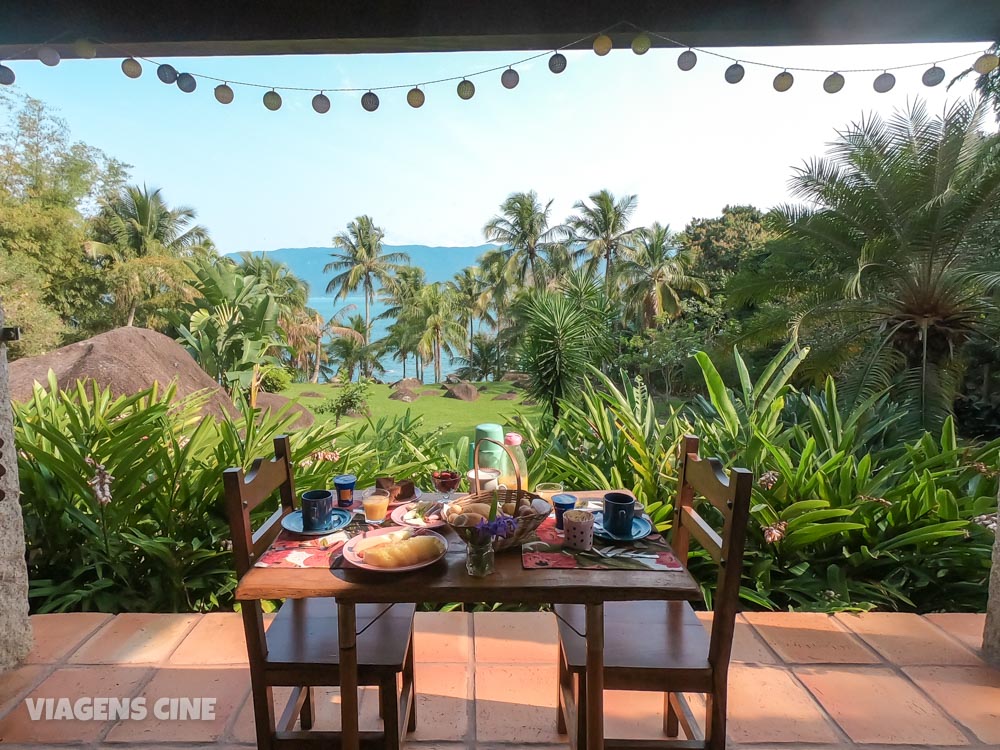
(663,642)
(305,633)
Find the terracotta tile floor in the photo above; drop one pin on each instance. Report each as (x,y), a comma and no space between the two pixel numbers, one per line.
(488,681)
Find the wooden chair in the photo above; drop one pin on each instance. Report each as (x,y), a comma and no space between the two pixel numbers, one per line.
(300,648)
(662,646)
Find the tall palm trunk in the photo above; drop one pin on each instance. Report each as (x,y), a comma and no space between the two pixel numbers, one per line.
(472,321)
(437,357)
(15,629)
(131,314)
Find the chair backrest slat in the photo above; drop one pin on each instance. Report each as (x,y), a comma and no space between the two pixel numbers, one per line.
(705,535)
(730,494)
(244,492)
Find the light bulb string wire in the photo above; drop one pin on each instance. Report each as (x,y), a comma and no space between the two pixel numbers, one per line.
(569,45)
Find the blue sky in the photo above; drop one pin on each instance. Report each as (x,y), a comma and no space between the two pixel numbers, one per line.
(687,143)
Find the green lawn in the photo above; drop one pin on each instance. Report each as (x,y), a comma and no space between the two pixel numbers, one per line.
(459,417)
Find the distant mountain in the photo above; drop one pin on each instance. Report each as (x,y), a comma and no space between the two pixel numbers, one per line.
(439,263)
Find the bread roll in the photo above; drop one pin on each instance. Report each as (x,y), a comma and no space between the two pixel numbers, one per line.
(410,551)
(482,509)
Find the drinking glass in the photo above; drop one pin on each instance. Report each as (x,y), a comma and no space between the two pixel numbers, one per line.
(548,490)
(375,505)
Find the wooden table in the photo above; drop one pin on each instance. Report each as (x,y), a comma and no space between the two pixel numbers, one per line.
(448,581)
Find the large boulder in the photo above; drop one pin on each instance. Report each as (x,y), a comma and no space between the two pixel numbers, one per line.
(452,379)
(126,360)
(409,384)
(404,394)
(274,402)
(506,397)
(519,379)
(463,392)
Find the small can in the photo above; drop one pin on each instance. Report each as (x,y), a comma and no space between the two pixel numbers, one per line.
(345,489)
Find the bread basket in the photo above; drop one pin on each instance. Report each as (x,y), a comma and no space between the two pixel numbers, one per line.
(525,525)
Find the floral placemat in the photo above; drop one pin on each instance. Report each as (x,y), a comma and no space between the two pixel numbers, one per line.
(290,550)
(651,553)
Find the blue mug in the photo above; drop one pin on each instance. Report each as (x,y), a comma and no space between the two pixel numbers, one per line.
(619,509)
(562,502)
(317,510)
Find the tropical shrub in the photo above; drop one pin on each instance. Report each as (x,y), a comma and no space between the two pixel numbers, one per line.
(845,514)
(274,379)
(123,496)
(352,399)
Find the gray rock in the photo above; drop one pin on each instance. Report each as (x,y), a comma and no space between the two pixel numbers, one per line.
(462,392)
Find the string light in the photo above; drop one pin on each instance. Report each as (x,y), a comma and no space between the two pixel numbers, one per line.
(48,56)
(272,100)
(186,83)
(466,89)
(131,67)
(884,82)
(415,98)
(932,76)
(783,81)
(986,63)
(166,73)
(641,44)
(509,78)
(85,49)
(833,83)
(321,103)
(642,41)
(687,60)
(224,94)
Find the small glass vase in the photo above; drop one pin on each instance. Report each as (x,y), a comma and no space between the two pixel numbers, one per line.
(479,558)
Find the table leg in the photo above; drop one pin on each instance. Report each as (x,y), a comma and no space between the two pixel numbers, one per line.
(348,675)
(595,677)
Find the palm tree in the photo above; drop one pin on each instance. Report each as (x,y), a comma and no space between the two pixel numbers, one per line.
(888,268)
(441,330)
(288,289)
(361,262)
(987,85)
(144,242)
(481,362)
(400,291)
(523,232)
(654,270)
(603,228)
(472,293)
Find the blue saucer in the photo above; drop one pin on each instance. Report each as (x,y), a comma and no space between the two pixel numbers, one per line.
(641,528)
(293,522)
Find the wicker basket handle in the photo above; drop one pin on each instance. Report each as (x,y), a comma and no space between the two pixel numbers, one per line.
(513,460)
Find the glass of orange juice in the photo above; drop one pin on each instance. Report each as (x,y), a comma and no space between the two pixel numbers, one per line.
(375,504)
(546,490)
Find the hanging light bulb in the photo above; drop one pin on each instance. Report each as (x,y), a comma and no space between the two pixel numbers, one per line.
(166,73)
(509,78)
(224,94)
(833,83)
(986,63)
(783,81)
(735,73)
(370,101)
(415,98)
(884,82)
(186,83)
(321,103)
(131,67)
(603,44)
(48,56)
(272,100)
(687,59)
(466,89)
(932,76)
(641,44)
(557,63)
(85,49)
(7,76)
